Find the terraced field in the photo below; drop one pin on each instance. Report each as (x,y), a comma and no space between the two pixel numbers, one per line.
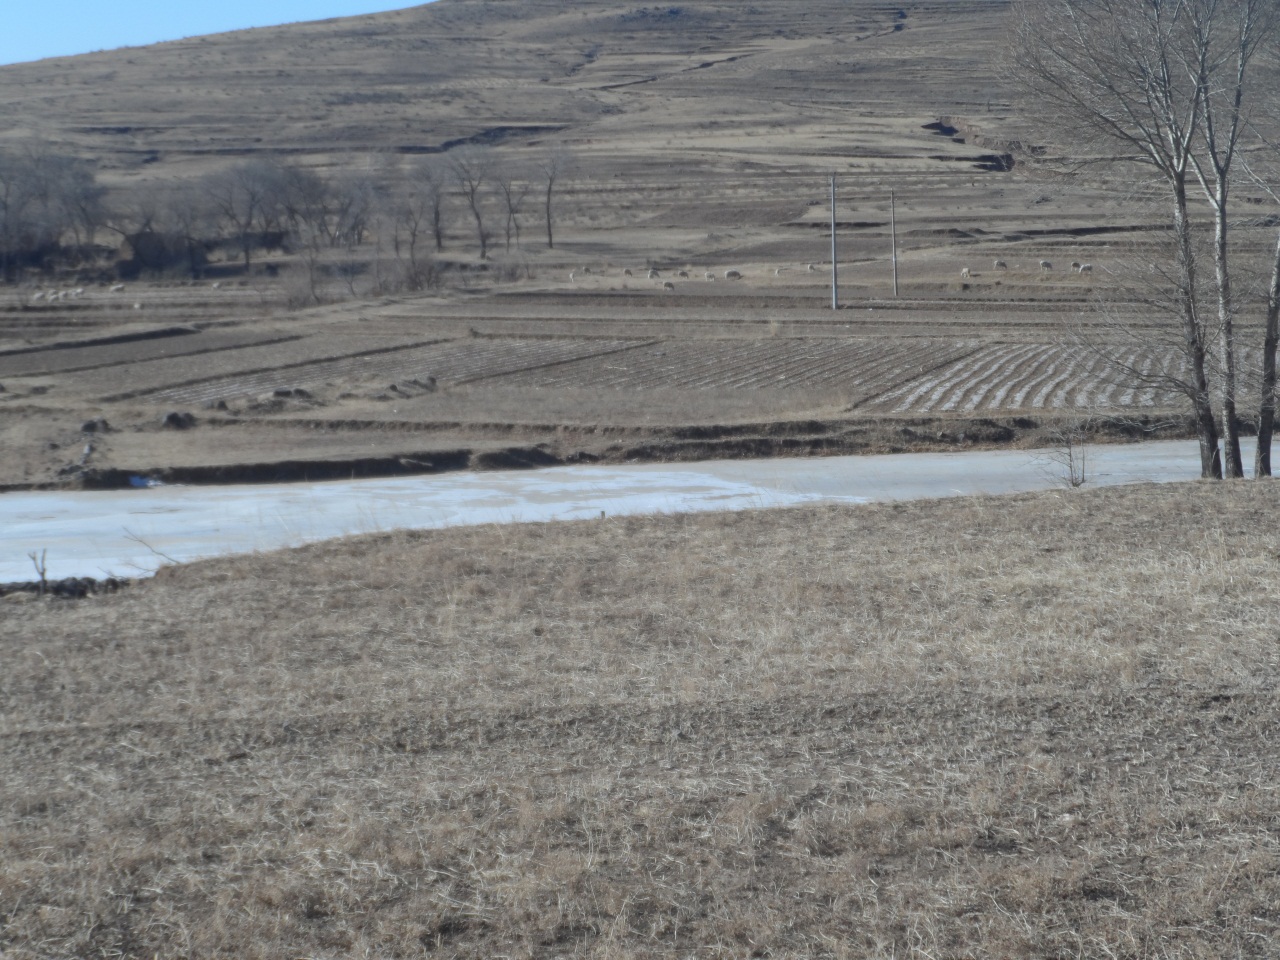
(76,359)
(865,366)
(149,377)
(449,363)
(1033,377)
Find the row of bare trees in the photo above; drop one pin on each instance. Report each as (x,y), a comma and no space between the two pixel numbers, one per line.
(52,213)
(50,205)
(1179,99)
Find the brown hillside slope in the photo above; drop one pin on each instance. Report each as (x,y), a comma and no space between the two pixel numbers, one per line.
(417,79)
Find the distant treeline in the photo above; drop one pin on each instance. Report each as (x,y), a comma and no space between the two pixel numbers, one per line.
(385,223)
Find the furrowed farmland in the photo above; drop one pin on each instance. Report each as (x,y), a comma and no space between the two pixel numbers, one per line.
(667,296)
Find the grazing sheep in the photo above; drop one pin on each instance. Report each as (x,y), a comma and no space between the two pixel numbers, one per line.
(668,285)
(732,275)
(1000,265)
(683,274)
(1086,268)
(653,275)
(813,268)
(1045,266)
(217,284)
(137,306)
(572,276)
(117,288)
(38,295)
(777,271)
(966,273)
(627,272)
(1075,265)
(708,275)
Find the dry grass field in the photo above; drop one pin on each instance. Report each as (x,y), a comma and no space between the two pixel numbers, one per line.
(701,135)
(1027,727)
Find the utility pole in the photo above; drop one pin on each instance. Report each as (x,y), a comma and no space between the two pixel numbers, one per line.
(893,235)
(835,274)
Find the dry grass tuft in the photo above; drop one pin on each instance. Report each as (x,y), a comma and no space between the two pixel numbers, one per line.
(1039,726)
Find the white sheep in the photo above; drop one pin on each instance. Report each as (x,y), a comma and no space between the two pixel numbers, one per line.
(572,276)
(653,274)
(137,306)
(1000,265)
(708,275)
(38,295)
(777,271)
(813,268)
(966,273)
(1086,268)
(217,284)
(1046,266)
(117,288)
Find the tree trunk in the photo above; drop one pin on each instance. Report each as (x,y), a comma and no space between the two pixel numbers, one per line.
(480,234)
(1193,340)
(551,244)
(1267,405)
(1232,462)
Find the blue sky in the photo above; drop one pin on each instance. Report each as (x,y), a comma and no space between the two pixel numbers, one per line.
(35,29)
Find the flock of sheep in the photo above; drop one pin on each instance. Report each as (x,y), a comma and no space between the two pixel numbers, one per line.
(653,274)
(52,296)
(57,296)
(1045,267)
(966,273)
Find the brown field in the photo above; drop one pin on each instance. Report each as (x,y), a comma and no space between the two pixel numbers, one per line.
(1038,726)
(702,135)
(1030,727)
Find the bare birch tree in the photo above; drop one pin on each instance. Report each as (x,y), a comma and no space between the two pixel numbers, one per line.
(471,172)
(553,167)
(1162,86)
(513,190)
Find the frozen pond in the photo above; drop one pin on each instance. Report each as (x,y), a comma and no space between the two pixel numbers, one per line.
(125,533)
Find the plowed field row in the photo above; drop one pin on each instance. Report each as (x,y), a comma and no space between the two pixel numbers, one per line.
(1032,377)
(116,354)
(867,366)
(449,363)
(150,376)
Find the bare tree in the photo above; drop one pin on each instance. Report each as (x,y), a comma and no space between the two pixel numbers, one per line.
(16,200)
(45,199)
(247,198)
(1161,86)
(513,190)
(420,208)
(1229,36)
(307,204)
(471,172)
(183,211)
(1270,342)
(554,167)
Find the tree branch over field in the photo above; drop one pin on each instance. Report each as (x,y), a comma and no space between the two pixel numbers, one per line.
(1169,86)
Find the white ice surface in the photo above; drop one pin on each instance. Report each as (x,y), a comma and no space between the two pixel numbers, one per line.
(131,532)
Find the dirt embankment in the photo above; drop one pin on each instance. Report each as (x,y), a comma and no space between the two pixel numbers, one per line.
(617,445)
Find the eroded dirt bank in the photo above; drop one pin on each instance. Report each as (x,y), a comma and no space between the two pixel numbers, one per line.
(230,450)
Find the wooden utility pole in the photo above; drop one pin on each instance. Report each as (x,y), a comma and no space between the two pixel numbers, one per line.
(893,240)
(835,273)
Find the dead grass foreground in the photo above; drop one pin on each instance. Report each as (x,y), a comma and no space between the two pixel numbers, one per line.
(1040,726)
